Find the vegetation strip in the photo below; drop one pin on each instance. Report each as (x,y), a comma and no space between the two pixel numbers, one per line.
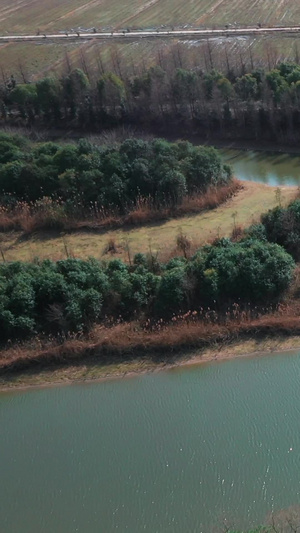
(259,104)
(86,180)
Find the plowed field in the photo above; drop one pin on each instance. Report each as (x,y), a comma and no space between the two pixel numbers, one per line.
(52,15)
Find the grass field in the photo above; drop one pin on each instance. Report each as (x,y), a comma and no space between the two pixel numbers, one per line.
(25,16)
(242,210)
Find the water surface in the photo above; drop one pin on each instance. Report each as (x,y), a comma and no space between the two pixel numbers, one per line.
(176,451)
(264,167)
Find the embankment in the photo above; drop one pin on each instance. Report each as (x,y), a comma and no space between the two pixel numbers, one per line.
(127,349)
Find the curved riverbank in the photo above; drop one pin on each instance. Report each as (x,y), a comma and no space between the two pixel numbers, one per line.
(96,366)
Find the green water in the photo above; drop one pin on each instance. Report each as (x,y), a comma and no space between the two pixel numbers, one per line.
(264,167)
(177,451)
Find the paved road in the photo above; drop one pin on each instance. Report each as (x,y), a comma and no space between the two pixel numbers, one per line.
(188,34)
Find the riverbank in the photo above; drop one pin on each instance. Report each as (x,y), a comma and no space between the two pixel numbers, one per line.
(171,135)
(245,145)
(94,371)
(122,133)
(122,351)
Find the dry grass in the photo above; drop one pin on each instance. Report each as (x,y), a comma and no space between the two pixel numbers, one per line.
(48,214)
(248,204)
(159,341)
(44,214)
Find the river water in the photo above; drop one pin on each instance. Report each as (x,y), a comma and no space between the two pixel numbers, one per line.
(176,451)
(264,167)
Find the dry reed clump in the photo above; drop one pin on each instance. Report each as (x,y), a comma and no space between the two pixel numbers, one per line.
(294,288)
(43,214)
(144,210)
(112,247)
(46,214)
(158,339)
(183,243)
(212,198)
(51,214)
(237,233)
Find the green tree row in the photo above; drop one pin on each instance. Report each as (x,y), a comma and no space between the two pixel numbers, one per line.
(72,294)
(261,102)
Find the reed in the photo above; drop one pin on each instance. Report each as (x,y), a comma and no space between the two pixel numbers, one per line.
(50,214)
(158,339)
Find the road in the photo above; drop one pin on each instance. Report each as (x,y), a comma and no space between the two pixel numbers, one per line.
(187,34)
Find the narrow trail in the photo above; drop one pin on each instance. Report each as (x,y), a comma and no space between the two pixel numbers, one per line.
(187,34)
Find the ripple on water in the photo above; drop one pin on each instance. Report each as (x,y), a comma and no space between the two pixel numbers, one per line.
(175,451)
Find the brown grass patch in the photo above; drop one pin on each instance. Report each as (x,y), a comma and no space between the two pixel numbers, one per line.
(44,214)
(48,214)
(162,341)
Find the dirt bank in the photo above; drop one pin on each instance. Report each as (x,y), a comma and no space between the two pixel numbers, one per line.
(93,371)
(124,350)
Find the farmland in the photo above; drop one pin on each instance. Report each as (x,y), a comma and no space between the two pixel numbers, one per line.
(38,59)
(51,15)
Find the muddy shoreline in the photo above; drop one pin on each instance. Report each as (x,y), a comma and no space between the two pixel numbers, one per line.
(93,371)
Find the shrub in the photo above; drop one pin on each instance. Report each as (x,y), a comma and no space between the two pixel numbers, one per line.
(282,226)
(251,271)
(257,232)
(172,294)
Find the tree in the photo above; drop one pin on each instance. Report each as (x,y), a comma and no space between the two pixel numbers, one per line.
(111,91)
(211,80)
(49,96)
(185,88)
(75,91)
(225,88)
(172,294)
(277,84)
(246,87)
(25,96)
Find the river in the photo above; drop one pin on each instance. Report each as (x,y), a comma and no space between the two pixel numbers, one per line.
(176,451)
(264,167)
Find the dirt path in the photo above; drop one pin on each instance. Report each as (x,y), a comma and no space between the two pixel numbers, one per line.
(187,34)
